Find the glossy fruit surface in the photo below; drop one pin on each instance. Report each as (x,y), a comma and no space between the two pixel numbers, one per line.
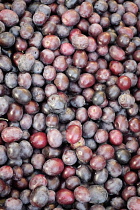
(73,134)
(39,140)
(69,104)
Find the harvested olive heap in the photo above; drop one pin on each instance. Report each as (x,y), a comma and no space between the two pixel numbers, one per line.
(69,105)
